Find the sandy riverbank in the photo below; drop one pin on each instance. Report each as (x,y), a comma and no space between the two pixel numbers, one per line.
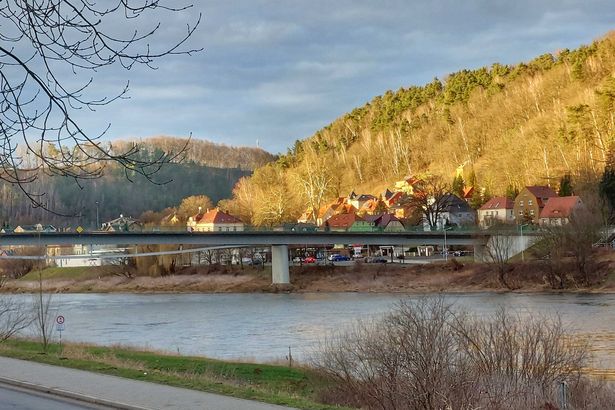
(453,276)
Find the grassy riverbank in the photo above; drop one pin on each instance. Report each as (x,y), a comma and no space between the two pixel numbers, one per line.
(277,384)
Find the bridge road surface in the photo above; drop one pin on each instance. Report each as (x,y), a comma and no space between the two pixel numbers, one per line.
(110,391)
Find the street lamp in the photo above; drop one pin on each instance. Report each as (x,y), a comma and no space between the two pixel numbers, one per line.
(444,228)
(97,222)
(522,244)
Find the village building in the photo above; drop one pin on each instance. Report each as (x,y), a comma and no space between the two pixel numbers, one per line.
(558,210)
(455,212)
(122,224)
(498,210)
(530,203)
(348,223)
(214,220)
(386,222)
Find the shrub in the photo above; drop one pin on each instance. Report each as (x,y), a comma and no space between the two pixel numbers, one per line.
(424,355)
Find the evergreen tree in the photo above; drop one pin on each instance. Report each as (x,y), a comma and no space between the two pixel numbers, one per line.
(458,186)
(472,179)
(511,192)
(607,188)
(478,198)
(565,186)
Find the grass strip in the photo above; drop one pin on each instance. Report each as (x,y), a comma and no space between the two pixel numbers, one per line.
(276,384)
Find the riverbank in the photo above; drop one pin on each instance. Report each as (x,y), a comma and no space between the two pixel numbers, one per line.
(452,276)
(276,384)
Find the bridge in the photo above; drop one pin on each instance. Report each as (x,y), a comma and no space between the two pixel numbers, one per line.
(278,240)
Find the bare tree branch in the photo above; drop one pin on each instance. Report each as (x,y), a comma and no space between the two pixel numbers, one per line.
(39,43)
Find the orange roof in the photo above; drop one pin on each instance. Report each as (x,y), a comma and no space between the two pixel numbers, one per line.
(216,216)
(499,202)
(343,220)
(560,207)
(468,192)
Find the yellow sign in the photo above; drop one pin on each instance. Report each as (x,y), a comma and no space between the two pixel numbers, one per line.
(79,229)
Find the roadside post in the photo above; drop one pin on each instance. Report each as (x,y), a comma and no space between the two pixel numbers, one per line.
(60,328)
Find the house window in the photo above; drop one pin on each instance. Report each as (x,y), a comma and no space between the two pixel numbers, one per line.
(228,229)
(529,202)
(234,228)
(520,203)
(532,212)
(219,229)
(520,213)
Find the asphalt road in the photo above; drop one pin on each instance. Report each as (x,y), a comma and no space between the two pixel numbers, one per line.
(18,399)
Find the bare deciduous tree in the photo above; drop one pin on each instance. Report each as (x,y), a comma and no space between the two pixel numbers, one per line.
(499,251)
(47,48)
(431,198)
(13,317)
(425,355)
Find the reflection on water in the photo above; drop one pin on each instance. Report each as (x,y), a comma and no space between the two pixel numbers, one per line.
(262,326)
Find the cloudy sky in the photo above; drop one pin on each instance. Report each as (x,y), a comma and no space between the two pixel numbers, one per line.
(276,71)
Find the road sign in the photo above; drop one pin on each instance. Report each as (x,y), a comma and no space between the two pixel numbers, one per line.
(60,327)
(79,229)
(60,320)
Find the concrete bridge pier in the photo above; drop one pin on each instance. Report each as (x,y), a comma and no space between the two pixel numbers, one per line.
(279,264)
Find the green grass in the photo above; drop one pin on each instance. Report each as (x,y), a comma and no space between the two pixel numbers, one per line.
(276,384)
(76,273)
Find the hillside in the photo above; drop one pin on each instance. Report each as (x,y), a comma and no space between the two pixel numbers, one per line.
(204,152)
(206,169)
(505,126)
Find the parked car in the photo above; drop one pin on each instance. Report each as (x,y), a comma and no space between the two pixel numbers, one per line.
(376,259)
(309,259)
(253,261)
(298,259)
(338,258)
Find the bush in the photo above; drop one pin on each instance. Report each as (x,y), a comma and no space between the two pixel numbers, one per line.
(424,355)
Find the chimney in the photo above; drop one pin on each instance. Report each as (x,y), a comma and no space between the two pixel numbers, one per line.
(199,209)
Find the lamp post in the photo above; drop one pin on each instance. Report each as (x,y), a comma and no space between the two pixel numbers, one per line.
(522,244)
(444,228)
(97,222)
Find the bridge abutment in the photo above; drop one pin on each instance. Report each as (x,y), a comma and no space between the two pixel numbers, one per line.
(279,264)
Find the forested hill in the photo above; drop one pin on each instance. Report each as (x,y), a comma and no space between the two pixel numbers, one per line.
(206,169)
(505,125)
(203,152)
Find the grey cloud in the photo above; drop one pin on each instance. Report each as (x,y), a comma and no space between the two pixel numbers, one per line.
(278,71)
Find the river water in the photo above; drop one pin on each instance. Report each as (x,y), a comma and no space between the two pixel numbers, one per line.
(261,327)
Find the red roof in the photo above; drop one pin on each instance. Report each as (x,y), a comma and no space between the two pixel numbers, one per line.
(560,207)
(541,191)
(216,216)
(468,192)
(499,202)
(343,220)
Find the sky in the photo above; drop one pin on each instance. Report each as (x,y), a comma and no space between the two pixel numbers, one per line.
(272,72)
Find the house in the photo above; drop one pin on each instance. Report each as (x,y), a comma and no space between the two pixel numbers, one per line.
(386,222)
(407,185)
(35,228)
(357,201)
(348,222)
(214,221)
(468,193)
(170,219)
(122,224)
(391,198)
(558,210)
(530,203)
(300,227)
(498,210)
(455,211)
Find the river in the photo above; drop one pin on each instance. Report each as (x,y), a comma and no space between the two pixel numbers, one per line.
(261,327)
